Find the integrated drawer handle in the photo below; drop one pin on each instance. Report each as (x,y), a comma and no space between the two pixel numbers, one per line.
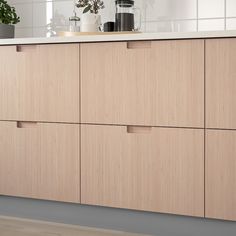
(25,124)
(139,44)
(138,129)
(25,48)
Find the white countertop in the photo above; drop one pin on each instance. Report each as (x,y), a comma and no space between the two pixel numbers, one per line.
(121,37)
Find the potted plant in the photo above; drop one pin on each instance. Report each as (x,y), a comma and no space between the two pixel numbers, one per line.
(90,20)
(8,18)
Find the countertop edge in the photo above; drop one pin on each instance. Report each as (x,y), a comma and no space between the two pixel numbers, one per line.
(121,37)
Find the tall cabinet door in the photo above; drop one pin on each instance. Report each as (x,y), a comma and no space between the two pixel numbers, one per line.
(221,83)
(40,83)
(143,168)
(158,83)
(221,174)
(40,160)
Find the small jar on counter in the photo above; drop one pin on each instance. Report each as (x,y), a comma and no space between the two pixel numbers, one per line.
(74,23)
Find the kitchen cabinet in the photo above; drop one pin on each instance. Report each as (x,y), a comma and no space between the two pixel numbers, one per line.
(151,83)
(40,83)
(221,174)
(143,168)
(40,160)
(142,125)
(221,83)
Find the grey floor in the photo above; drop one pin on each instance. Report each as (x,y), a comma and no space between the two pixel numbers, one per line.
(22,227)
(115,219)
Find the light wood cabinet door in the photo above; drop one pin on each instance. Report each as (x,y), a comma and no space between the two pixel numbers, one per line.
(40,83)
(8,82)
(221,174)
(40,161)
(159,83)
(151,169)
(221,83)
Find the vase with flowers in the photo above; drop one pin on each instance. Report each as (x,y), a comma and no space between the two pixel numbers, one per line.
(90,19)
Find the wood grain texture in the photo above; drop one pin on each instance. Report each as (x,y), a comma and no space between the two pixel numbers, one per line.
(221,174)
(221,83)
(40,162)
(161,84)
(159,171)
(8,83)
(40,83)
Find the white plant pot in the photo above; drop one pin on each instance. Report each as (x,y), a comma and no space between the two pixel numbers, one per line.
(90,22)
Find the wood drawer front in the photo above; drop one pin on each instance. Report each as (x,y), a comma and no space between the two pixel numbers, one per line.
(156,84)
(40,83)
(221,83)
(221,174)
(40,161)
(151,169)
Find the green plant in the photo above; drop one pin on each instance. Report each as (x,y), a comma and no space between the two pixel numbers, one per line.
(8,14)
(91,5)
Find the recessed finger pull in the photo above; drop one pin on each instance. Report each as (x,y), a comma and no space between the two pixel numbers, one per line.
(26,124)
(25,48)
(139,44)
(138,129)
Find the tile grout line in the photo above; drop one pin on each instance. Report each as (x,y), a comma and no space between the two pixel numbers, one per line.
(197,15)
(32,20)
(225,14)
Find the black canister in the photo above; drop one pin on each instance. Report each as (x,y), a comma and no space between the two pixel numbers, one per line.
(109,26)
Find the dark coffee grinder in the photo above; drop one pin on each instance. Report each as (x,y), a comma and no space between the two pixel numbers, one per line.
(128,17)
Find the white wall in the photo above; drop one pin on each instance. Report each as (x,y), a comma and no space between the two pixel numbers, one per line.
(157,15)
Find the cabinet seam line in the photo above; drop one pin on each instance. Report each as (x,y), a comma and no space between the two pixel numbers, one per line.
(80,127)
(204,128)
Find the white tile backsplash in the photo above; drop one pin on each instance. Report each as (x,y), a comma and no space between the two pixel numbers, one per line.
(18,1)
(40,14)
(231,24)
(184,26)
(157,15)
(23,32)
(230,8)
(25,11)
(211,8)
(172,26)
(211,25)
(182,9)
(108,14)
(62,10)
(169,9)
(40,32)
